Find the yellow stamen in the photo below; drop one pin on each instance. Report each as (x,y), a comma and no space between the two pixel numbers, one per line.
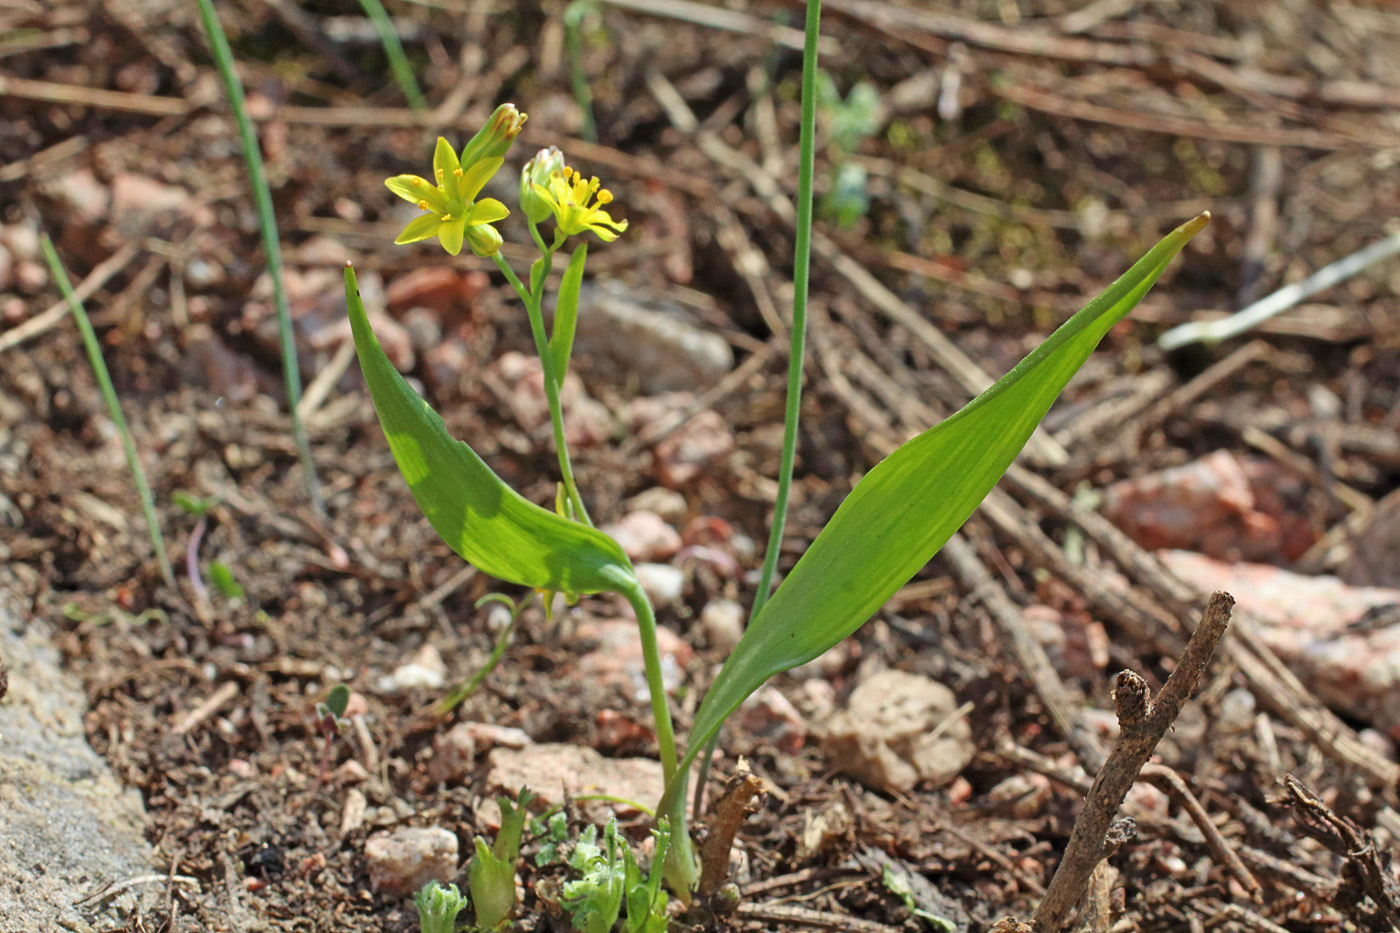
(415,181)
(422,205)
(446,217)
(604,196)
(457,172)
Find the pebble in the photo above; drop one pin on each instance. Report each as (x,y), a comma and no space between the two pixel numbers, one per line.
(722,622)
(645,536)
(663,583)
(615,658)
(425,671)
(886,738)
(557,771)
(699,444)
(403,860)
(667,503)
(653,343)
(1021,796)
(455,751)
(771,716)
(1319,627)
(519,380)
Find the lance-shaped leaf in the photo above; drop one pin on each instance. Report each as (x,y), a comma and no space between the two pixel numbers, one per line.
(909,505)
(481,518)
(561,339)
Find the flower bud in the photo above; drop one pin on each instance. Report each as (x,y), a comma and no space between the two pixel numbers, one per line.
(495,137)
(537,172)
(483,239)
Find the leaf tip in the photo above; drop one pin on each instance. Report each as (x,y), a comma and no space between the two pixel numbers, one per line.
(1196,224)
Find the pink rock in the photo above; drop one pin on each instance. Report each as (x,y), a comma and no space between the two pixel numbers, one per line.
(616,658)
(455,751)
(645,536)
(769,715)
(437,287)
(1319,627)
(899,730)
(1075,643)
(444,366)
(142,205)
(519,379)
(554,771)
(402,861)
(702,442)
(1220,505)
(1021,796)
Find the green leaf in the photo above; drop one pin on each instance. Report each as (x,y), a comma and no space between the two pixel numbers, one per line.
(561,340)
(481,518)
(910,504)
(338,700)
(190,504)
(224,581)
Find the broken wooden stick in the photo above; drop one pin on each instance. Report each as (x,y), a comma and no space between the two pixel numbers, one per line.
(1142,724)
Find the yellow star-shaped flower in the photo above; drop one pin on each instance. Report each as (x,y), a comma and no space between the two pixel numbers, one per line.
(453,213)
(568,195)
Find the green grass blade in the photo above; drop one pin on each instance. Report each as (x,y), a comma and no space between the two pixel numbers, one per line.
(272,247)
(481,518)
(561,337)
(398,61)
(114,407)
(908,505)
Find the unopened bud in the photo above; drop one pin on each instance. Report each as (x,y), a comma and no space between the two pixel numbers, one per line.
(537,172)
(495,138)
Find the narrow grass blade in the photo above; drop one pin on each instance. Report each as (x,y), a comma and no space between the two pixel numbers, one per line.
(480,517)
(114,407)
(272,247)
(908,506)
(398,61)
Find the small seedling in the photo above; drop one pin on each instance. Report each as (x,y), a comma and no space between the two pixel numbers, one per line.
(848,123)
(330,714)
(898,884)
(610,883)
(491,874)
(219,572)
(438,907)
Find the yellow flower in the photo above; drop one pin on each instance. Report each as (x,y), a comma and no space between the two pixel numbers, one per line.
(453,213)
(568,195)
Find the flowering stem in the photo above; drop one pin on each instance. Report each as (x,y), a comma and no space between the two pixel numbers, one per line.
(551,384)
(802,252)
(656,684)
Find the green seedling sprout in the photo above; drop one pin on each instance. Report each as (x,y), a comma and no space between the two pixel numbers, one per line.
(491,874)
(224,581)
(576,15)
(114,407)
(888,528)
(393,50)
(330,719)
(438,907)
(272,247)
(848,123)
(898,884)
(460,693)
(594,899)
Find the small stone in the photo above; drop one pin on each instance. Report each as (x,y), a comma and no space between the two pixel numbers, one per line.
(667,503)
(425,671)
(437,288)
(899,730)
(424,328)
(352,772)
(444,366)
(143,205)
(455,751)
(30,276)
(616,657)
(645,536)
(663,583)
(557,771)
(1021,796)
(652,342)
(700,443)
(770,715)
(402,861)
(352,817)
(722,621)
(519,380)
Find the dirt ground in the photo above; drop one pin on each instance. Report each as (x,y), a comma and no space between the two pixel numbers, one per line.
(1020,155)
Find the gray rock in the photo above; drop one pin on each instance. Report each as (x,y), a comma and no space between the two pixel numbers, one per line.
(655,344)
(68,829)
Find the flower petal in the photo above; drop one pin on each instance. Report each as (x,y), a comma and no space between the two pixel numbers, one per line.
(450,234)
(445,166)
(419,228)
(476,175)
(487,211)
(415,190)
(601,216)
(483,239)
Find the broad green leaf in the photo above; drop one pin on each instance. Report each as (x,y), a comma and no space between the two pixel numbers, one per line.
(561,340)
(481,518)
(910,504)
